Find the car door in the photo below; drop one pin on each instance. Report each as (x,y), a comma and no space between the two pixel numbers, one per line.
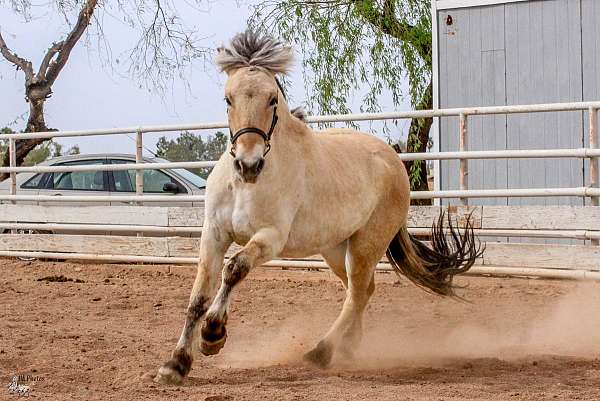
(77,183)
(123,183)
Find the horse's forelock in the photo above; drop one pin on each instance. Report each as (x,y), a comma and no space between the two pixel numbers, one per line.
(250,48)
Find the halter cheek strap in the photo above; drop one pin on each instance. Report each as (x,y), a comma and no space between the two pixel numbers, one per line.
(266,136)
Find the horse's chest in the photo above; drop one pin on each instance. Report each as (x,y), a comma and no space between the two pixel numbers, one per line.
(241,223)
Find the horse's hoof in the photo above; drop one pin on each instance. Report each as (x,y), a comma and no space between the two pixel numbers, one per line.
(168,376)
(321,355)
(214,335)
(212,348)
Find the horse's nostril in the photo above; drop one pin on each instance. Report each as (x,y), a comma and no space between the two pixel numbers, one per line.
(260,165)
(237,163)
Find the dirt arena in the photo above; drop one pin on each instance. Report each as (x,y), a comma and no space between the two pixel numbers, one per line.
(102,336)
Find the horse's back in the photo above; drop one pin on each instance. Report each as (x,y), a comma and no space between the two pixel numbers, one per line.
(365,156)
(350,177)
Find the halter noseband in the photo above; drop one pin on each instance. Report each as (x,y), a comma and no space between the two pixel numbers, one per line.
(266,136)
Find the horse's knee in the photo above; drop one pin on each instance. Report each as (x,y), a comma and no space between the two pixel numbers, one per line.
(236,270)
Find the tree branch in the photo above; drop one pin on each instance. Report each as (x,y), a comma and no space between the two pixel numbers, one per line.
(56,47)
(12,57)
(386,21)
(83,21)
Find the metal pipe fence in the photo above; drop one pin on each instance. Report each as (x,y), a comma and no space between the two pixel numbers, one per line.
(529,233)
(464,193)
(308,264)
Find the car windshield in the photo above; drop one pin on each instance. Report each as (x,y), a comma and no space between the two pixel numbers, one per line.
(188,175)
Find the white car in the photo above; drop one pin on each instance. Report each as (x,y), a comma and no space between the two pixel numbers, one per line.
(171,183)
(168,182)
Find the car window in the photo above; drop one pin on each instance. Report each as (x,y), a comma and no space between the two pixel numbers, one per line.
(188,175)
(124,182)
(79,180)
(33,182)
(154,180)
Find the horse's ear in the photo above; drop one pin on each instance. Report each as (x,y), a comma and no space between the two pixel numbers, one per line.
(299,113)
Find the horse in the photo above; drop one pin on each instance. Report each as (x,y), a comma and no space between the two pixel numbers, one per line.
(283,190)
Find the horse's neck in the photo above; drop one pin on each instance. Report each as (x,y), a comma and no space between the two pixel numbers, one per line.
(293,139)
(285,163)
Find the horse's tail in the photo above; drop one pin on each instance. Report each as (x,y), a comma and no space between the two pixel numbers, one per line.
(433,268)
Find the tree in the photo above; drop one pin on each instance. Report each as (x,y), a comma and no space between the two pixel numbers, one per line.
(164,46)
(349,45)
(190,147)
(40,153)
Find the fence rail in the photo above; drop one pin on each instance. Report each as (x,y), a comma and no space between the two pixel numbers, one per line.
(464,193)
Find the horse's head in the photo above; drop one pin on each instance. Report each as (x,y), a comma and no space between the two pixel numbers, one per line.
(254,98)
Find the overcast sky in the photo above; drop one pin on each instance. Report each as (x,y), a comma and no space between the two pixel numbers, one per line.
(88,95)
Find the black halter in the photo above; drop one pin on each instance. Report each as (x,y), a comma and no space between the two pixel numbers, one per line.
(266,136)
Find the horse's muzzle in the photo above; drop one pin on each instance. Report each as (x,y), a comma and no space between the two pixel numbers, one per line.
(249,171)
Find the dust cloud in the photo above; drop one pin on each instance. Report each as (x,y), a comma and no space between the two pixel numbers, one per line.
(567,325)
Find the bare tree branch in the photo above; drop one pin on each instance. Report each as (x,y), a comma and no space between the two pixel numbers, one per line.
(47,59)
(82,23)
(12,57)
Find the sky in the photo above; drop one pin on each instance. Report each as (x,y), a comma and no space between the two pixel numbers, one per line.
(91,94)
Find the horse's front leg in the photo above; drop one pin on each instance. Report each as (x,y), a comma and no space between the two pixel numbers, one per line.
(213,246)
(262,247)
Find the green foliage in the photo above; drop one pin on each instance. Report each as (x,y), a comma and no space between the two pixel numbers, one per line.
(48,150)
(190,147)
(351,45)
(40,153)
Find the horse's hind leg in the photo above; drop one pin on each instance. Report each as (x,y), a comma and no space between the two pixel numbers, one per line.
(336,259)
(362,256)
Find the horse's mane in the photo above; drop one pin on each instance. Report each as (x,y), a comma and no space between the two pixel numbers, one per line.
(250,48)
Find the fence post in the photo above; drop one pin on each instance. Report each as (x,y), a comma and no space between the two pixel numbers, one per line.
(12,155)
(139,174)
(464,166)
(594,180)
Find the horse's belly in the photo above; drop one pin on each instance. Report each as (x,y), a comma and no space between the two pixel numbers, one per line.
(313,236)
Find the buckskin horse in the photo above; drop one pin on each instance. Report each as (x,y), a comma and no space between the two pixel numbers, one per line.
(284,190)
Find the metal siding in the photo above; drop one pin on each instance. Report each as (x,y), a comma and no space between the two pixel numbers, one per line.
(516,53)
(449,84)
(491,133)
(471,60)
(544,60)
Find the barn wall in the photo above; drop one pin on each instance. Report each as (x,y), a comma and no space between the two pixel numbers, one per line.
(518,53)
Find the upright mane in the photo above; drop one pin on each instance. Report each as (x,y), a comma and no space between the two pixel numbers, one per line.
(250,48)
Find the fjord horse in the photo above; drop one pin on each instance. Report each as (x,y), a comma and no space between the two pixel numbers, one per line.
(284,190)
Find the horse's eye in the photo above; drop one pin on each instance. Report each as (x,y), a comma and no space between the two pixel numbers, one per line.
(273,101)
(227,101)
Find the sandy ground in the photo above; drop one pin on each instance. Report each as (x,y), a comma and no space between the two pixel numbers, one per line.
(101,339)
